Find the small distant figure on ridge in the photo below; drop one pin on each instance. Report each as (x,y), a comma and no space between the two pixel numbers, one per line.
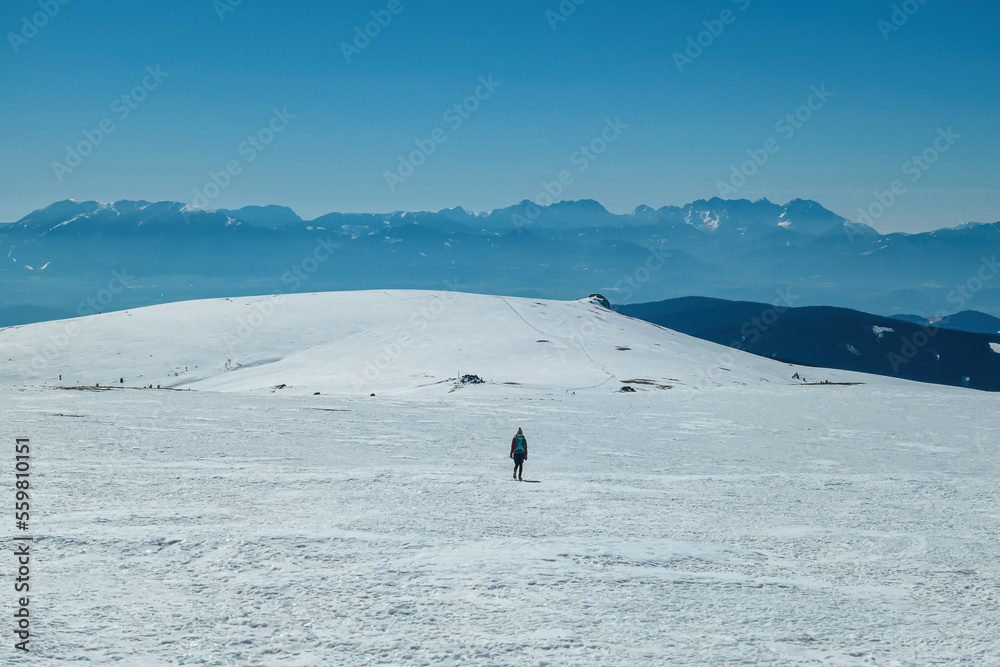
(121,380)
(519,452)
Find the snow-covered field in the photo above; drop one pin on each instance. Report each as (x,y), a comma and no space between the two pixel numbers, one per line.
(737,517)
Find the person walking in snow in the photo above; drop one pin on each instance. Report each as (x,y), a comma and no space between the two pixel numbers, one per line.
(519,452)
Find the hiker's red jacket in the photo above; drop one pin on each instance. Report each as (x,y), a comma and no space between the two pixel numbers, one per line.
(514,441)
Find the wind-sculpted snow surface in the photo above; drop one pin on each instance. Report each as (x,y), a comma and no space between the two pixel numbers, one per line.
(788,525)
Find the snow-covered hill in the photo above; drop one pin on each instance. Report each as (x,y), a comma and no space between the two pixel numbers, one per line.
(353,343)
(734,518)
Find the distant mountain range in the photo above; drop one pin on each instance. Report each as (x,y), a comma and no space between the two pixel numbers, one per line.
(67,256)
(967,320)
(837,338)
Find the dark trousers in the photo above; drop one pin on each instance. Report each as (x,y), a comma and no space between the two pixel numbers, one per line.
(518,464)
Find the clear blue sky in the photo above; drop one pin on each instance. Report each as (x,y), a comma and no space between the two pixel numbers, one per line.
(607,60)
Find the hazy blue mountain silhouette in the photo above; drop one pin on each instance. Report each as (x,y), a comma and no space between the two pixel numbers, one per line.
(967,320)
(63,254)
(834,338)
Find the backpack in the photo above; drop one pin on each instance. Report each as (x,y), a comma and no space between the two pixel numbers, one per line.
(519,444)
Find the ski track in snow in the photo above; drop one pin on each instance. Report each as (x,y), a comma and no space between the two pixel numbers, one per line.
(779,525)
(611,376)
